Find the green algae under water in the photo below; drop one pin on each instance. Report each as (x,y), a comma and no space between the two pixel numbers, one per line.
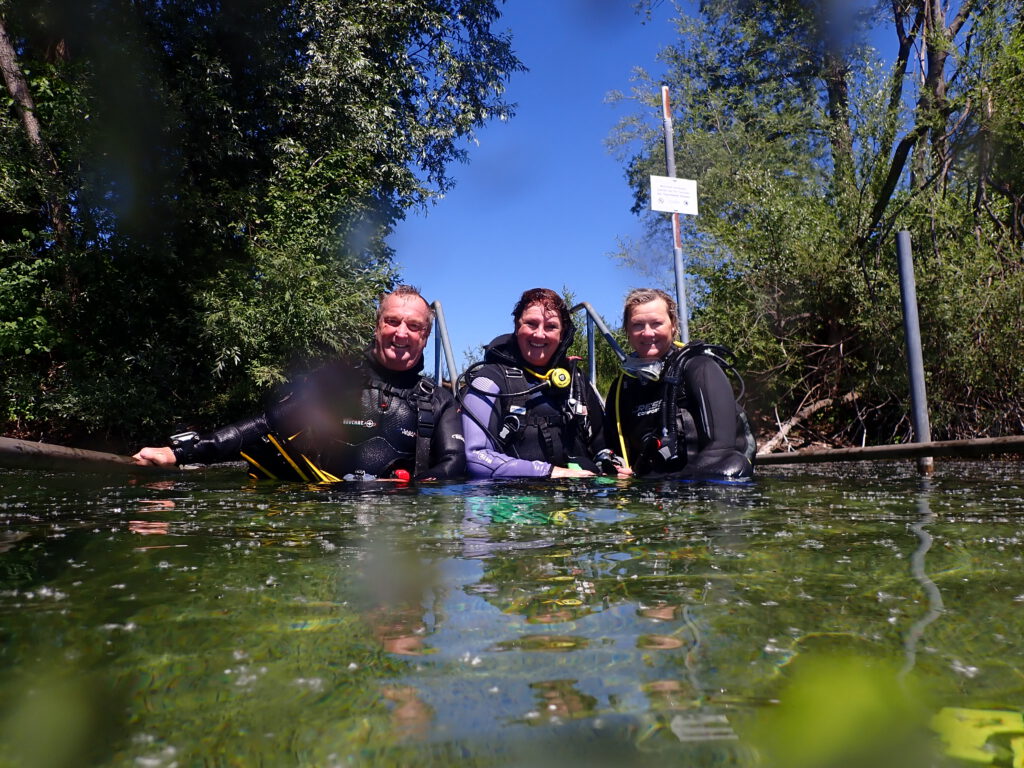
(846,615)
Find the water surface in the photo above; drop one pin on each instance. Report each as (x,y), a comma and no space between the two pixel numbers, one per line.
(833,615)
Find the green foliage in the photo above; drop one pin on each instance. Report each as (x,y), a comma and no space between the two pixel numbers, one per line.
(810,153)
(230,173)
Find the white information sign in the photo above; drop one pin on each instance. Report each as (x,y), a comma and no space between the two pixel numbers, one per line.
(671,195)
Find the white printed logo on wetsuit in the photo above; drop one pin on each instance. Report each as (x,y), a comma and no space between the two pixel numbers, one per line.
(647,410)
(368,423)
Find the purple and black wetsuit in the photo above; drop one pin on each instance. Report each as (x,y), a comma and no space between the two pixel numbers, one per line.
(515,426)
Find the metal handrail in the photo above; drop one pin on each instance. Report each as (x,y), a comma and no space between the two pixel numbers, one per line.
(441,339)
(593,318)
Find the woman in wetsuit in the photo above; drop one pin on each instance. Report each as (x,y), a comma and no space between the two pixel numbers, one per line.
(526,411)
(673,411)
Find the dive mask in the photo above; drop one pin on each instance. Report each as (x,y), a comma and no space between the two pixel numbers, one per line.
(650,370)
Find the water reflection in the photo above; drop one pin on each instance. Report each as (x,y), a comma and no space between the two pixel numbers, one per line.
(920,574)
(790,622)
(559,700)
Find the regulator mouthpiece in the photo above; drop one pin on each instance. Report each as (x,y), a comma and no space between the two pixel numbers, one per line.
(559,378)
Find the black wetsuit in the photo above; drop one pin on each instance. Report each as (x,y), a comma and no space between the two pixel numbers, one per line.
(526,435)
(345,420)
(709,437)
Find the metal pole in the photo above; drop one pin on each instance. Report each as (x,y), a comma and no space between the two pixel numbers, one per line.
(437,351)
(446,343)
(915,360)
(602,326)
(677,243)
(591,357)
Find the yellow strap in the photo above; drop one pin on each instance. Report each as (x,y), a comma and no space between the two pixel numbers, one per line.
(320,476)
(618,420)
(258,466)
(323,474)
(288,458)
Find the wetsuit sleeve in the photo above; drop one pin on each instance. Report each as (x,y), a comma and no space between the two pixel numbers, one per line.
(483,460)
(447,448)
(223,444)
(713,405)
(710,400)
(284,416)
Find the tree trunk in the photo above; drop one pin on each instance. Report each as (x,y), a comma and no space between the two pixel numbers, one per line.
(24,105)
(934,106)
(840,134)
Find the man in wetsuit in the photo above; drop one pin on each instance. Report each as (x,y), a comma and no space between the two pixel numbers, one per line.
(375,418)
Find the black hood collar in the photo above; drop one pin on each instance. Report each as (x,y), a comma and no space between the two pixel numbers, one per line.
(396,378)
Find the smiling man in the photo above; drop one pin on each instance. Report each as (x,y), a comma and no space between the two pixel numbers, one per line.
(376,418)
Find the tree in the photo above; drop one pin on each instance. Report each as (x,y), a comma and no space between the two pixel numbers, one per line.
(810,150)
(24,106)
(230,172)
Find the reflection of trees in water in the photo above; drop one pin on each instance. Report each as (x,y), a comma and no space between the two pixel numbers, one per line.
(581,565)
(558,701)
(721,617)
(720,626)
(650,573)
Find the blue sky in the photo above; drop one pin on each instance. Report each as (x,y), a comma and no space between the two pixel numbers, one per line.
(541,202)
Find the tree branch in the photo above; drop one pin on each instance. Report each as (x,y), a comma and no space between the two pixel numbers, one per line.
(799,416)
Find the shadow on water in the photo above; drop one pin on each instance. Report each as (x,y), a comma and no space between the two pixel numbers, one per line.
(844,616)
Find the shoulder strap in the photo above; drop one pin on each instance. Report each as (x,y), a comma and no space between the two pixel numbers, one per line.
(512,407)
(422,396)
(578,407)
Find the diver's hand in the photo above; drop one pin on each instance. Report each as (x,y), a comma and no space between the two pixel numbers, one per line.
(155,457)
(612,464)
(559,472)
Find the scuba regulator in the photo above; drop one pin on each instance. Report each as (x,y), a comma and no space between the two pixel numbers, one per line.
(559,378)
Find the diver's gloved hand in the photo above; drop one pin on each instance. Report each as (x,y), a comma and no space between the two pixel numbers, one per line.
(608,462)
(722,464)
(359,476)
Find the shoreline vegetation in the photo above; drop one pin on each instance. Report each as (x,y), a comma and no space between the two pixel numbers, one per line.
(196,199)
